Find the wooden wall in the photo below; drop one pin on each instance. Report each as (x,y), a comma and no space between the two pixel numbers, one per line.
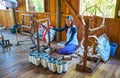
(6,17)
(113,31)
(37,15)
(112,25)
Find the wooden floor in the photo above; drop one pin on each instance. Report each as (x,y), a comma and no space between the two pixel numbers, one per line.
(14,64)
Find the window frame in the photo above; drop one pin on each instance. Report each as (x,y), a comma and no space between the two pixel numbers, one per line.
(28,7)
(106,12)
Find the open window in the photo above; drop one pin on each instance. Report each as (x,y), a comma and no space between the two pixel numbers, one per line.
(107,7)
(35,5)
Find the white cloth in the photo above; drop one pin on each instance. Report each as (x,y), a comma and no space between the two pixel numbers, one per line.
(74,40)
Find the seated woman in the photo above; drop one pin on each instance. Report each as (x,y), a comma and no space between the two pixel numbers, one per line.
(71,33)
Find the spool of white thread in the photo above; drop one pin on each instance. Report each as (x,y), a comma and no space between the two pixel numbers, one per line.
(37,61)
(59,67)
(53,66)
(30,58)
(65,67)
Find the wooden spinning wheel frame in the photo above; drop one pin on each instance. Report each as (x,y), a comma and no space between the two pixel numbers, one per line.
(87,41)
(34,29)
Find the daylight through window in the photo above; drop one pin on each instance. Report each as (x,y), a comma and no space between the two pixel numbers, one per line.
(35,5)
(107,7)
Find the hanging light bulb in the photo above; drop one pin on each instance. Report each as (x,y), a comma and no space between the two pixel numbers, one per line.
(9,3)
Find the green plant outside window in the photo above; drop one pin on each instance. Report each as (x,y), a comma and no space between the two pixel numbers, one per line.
(107,7)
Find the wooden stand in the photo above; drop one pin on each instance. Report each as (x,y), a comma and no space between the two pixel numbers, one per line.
(91,65)
(88,63)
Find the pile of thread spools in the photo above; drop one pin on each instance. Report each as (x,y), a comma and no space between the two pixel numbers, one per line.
(52,63)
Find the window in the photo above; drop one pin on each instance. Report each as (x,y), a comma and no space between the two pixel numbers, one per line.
(35,5)
(107,7)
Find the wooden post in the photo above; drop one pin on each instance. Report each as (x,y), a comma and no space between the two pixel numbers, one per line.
(2,37)
(14,15)
(38,42)
(49,42)
(86,45)
(58,17)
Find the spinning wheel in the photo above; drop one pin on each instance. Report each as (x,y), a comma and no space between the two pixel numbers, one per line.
(92,43)
(90,40)
(92,16)
(35,32)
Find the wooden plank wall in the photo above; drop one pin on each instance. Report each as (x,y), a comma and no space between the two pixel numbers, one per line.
(113,31)
(117,8)
(112,25)
(6,18)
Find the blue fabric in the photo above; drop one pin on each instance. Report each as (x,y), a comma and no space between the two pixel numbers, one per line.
(58,29)
(68,49)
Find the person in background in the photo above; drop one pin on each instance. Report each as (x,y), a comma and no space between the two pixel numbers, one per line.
(71,33)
